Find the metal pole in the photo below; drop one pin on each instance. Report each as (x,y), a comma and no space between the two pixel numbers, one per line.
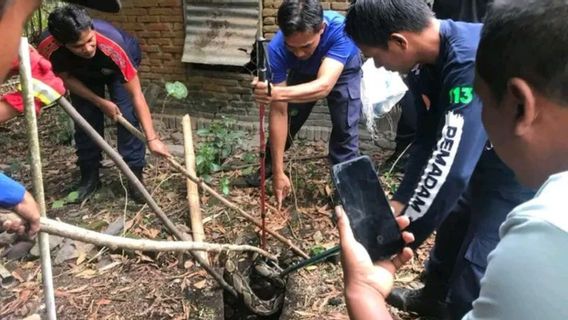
(35,162)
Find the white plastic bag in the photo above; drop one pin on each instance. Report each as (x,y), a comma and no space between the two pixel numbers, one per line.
(380,91)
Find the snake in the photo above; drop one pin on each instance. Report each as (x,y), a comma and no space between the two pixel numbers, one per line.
(240,282)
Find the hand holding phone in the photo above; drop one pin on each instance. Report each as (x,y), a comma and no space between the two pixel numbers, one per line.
(367,207)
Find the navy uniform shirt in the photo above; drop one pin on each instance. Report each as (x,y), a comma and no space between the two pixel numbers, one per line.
(450,136)
(334,44)
(118,54)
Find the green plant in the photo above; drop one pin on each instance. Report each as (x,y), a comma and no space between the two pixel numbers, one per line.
(218,143)
(176,90)
(71,198)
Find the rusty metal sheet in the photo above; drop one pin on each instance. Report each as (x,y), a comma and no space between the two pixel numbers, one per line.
(217,29)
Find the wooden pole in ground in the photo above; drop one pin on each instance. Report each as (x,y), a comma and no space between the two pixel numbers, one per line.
(192,189)
(37,179)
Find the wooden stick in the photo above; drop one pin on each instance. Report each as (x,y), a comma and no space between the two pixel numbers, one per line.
(214,193)
(66,230)
(117,158)
(192,189)
(37,179)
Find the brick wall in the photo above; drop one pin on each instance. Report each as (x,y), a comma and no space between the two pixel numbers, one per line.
(159,26)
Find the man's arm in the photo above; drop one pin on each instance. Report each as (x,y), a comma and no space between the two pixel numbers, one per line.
(443,177)
(145,117)
(14,196)
(278,120)
(328,73)
(77,87)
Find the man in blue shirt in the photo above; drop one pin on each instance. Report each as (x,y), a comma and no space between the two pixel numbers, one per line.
(310,58)
(452,171)
(91,55)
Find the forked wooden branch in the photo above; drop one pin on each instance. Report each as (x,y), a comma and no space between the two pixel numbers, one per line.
(66,230)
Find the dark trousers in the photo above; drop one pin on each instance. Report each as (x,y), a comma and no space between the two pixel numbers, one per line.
(470,232)
(406,127)
(344,103)
(131,148)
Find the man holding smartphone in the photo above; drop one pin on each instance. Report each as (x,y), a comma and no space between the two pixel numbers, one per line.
(522,71)
(453,171)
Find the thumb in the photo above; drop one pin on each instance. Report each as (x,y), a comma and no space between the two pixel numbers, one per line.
(279,198)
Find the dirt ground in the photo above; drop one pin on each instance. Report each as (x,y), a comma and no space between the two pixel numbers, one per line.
(95,283)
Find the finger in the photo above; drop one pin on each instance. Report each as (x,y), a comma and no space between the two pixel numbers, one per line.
(403,257)
(34,229)
(285,191)
(407,237)
(403,222)
(345,232)
(279,198)
(7,225)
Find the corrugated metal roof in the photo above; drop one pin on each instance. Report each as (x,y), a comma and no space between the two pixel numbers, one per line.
(217,29)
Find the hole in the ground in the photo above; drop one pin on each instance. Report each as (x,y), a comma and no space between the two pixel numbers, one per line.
(264,290)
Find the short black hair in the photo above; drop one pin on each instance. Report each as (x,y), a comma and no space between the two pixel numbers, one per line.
(527,39)
(66,23)
(371,22)
(300,16)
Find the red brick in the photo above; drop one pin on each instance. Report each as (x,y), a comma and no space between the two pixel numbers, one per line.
(178,41)
(148,19)
(158,41)
(157,27)
(172,18)
(173,49)
(269,21)
(169,3)
(145,3)
(269,12)
(160,11)
(339,5)
(134,11)
(149,34)
(150,48)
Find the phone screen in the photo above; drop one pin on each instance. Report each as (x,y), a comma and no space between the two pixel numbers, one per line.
(367,207)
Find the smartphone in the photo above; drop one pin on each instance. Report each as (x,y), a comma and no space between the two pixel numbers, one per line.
(367,207)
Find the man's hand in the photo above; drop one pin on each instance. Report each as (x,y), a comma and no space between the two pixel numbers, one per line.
(260,91)
(281,186)
(109,108)
(397,207)
(28,209)
(363,279)
(159,148)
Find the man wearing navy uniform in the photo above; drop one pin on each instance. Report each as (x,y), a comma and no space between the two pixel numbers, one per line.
(13,16)
(310,59)
(90,55)
(452,171)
